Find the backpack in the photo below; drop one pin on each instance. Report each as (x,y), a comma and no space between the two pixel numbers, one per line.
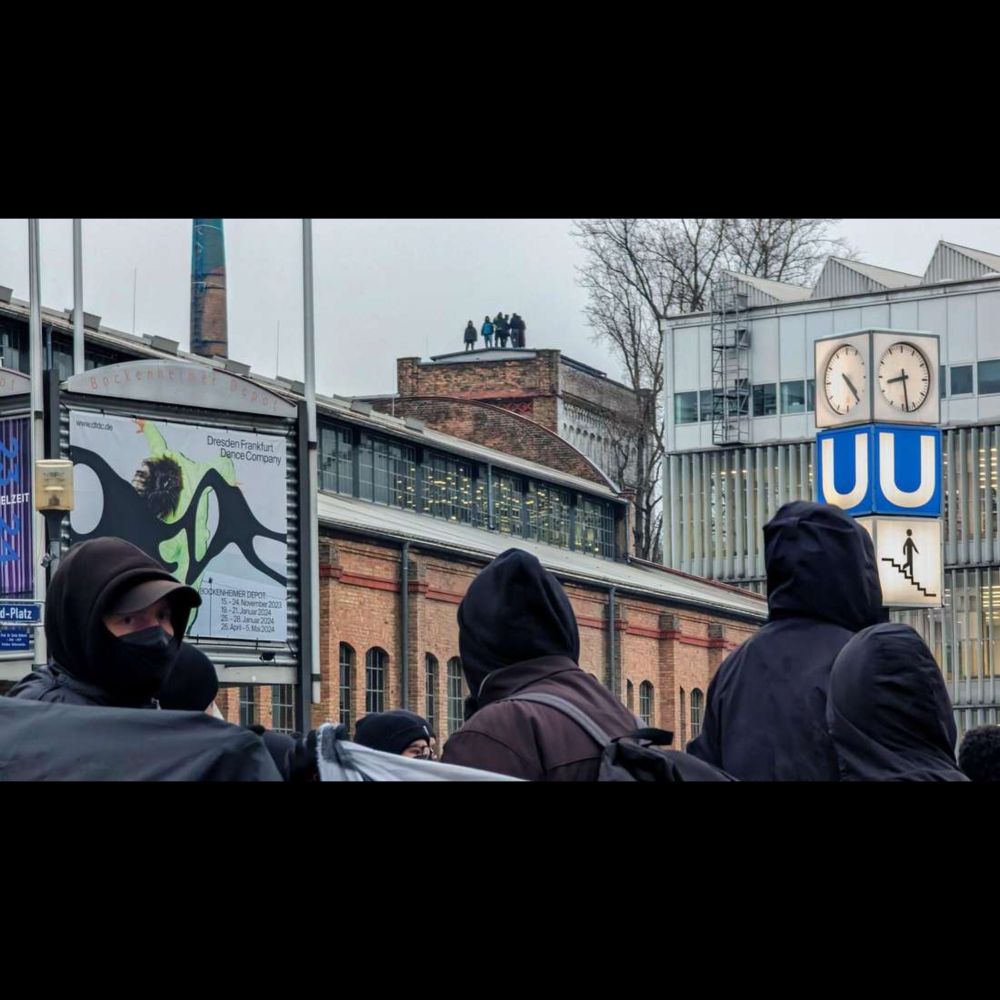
(632,757)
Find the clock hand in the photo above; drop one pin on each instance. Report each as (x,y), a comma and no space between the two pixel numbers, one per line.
(850,385)
(906,399)
(899,378)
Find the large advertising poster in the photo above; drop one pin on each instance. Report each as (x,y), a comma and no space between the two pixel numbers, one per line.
(210,504)
(16,510)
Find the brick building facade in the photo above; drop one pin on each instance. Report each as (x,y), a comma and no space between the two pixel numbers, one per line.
(657,650)
(409,514)
(666,653)
(572,400)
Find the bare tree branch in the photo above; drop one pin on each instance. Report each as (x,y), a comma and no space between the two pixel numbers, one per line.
(638,271)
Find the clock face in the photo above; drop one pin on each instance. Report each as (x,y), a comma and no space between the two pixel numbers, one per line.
(844,382)
(904,377)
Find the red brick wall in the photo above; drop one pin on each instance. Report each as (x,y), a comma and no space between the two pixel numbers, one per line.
(360,605)
(496,381)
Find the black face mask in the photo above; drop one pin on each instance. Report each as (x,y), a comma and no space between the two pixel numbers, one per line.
(141,661)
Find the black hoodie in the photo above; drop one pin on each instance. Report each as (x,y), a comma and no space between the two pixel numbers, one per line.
(83,667)
(514,610)
(765,717)
(888,710)
(517,632)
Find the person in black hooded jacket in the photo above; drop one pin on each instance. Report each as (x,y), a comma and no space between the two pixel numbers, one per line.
(114,620)
(517,633)
(765,716)
(888,710)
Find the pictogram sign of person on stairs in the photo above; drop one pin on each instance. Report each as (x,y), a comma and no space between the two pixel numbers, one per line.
(909,547)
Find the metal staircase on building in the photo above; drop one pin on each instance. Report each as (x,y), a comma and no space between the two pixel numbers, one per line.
(730,362)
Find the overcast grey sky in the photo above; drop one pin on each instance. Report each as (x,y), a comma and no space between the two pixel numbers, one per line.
(383,288)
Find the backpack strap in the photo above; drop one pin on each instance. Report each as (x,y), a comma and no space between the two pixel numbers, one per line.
(584,721)
(659,737)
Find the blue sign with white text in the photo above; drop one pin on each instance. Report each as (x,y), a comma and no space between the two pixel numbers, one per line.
(26,613)
(880,469)
(14,638)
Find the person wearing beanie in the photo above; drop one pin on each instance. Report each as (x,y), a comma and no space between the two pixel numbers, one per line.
(193,683)
(400,732)
(114,621)
(517,634)
(765,714)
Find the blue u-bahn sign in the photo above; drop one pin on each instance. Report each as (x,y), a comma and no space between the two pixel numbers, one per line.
(880,469)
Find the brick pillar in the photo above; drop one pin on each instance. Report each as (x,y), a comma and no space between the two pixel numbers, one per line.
(415,643)
(328,710)
(408,376)
(617,628)
(669,625)
(716,647)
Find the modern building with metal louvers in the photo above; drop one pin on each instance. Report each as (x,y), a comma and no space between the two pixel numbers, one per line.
(741,433)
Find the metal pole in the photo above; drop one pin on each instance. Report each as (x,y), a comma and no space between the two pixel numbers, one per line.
(404,615)
(612,666)
(37,422)
(78,363)
(312,528)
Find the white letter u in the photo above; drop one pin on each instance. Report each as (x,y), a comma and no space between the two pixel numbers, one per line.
(887,472)
(856,495)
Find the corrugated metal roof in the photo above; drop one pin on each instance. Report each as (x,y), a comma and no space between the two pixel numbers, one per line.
(771,291)
(884,276)
(849,277)
(359,515)
(953,262)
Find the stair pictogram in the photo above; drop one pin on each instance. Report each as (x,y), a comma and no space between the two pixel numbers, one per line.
(908,573)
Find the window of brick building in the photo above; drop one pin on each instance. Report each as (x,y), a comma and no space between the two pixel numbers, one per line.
(508,503)
(456,695)
(453,490)
(387,472)
(595,527)
(248,705)
(430,690)
(696,708)
(336,466)
(646,703)
(346,683)
(282,708)
(548,514)
(376,661)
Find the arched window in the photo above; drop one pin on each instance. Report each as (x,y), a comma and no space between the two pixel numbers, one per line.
(347,661)
(646,703)
(696,706)
(630,696)
(430,690)
(376,661)
(456,695)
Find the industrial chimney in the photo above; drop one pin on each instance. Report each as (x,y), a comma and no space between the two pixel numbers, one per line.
(209,336)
